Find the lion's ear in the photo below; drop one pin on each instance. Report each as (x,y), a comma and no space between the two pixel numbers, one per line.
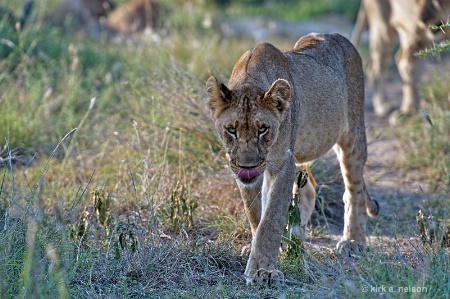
(219,95)
(278,95)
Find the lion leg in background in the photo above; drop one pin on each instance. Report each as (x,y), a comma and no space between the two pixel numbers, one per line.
(413,37)
(360,26)
(410,69)
(381,37)
(251,196)
(262,261)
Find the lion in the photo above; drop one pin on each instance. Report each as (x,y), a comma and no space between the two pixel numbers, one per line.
(134,16)
(282,108)
(410,19)
(102,16)
(81,15)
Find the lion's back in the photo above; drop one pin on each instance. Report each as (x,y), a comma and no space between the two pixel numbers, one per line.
(329,84)
(332,59)
(327,49)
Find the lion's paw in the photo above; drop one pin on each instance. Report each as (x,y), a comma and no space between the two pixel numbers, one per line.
(266,277)
(381,107)
(259,272)
(397,117)
(350,247)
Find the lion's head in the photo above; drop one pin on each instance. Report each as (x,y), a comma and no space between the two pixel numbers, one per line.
(247,120)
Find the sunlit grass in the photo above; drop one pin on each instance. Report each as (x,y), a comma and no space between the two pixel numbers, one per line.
(142,132)
(429,143)
(294,10)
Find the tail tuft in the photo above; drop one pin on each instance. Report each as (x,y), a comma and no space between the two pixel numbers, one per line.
(372,207)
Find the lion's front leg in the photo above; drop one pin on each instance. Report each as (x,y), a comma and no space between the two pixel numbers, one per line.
(251,196)
(276,197)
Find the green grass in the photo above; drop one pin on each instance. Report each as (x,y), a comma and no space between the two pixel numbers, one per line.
(143,131)
(429,144)
(293,10)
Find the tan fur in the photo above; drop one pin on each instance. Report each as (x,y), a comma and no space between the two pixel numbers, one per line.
(134,16)
(283,108)
(81,14)
(94,16)
(306,200)
(410,20)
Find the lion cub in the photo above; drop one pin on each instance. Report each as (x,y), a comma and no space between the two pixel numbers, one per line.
(282,108)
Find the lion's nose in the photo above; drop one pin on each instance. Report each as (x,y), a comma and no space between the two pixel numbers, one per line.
(248,161)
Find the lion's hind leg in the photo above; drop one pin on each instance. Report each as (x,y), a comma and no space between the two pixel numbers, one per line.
(381,38)
(306,195)
(352,154)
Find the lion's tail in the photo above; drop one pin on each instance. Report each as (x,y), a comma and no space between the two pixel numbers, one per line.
(372,205)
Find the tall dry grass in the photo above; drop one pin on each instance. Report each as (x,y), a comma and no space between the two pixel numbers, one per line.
(136,202)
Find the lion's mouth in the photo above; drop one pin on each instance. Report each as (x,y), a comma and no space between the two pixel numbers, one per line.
(248,175)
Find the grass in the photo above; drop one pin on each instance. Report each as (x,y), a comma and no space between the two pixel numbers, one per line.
(429,143)
(293,10)
(136,201)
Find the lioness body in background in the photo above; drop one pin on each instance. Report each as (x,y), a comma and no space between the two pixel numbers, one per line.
(96,16)
(136,15)
(282,108)
(86,14)
(410,19)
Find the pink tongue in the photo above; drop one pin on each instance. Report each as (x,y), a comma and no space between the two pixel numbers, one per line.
(248,173)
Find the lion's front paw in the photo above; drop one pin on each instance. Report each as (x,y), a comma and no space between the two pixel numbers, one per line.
(260,271)
(381,106)
(349,247)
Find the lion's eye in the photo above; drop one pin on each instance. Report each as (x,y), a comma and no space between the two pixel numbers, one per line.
(231,131)
(263,130)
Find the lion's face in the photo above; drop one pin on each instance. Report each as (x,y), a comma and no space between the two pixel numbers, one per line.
(248,120)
